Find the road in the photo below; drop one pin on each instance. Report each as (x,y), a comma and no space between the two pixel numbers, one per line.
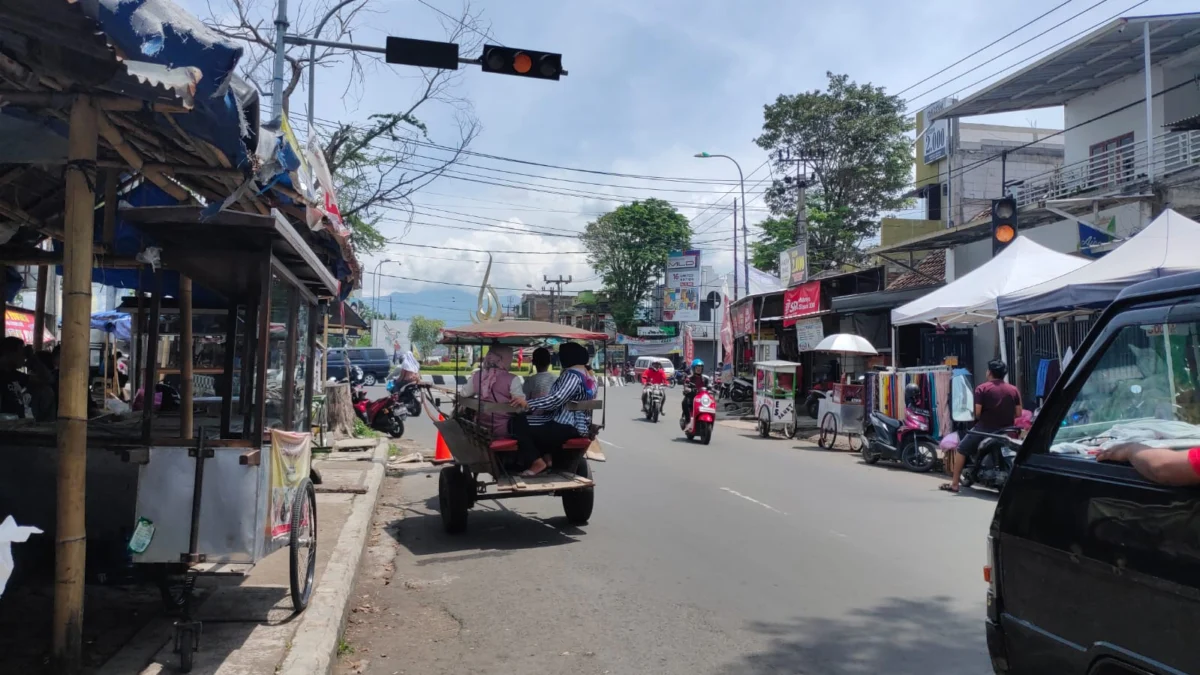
(746,556)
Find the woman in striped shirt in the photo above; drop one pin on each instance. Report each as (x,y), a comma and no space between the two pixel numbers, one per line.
(551,423)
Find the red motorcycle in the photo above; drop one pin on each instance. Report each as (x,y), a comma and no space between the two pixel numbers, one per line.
(704,415)
(385,414)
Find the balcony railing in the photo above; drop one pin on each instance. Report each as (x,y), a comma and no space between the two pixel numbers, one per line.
(1114,171)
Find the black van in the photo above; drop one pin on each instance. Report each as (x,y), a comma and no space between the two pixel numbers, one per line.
(1092,568)
(374,362)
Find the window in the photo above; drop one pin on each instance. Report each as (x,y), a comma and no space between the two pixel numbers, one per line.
(1111,162)
(1144,387)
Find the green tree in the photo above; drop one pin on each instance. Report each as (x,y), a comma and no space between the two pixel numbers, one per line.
(853,138)
(424,333)
(830,242)
(628,247)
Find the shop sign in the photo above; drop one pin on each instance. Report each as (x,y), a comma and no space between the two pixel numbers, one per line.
(937,134)
(701,331)
(656,331)
(809,333)
(683,260)
(793,265)
(801,301)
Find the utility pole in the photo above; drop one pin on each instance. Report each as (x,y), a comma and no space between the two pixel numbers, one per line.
(801,181)
(735,251)
(558,282)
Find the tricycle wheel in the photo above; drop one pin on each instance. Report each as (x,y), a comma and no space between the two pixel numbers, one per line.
(577,504)
(453,499)
(764,423)
(789,429)
(828,431)
(302,544)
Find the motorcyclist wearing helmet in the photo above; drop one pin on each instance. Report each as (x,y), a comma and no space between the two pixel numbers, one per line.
(696,380)
(651,376)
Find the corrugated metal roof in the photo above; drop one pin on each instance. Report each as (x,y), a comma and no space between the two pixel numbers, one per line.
(1104,56)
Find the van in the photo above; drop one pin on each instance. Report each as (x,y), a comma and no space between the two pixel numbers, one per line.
(643,363)
(1094,569)
(374,362)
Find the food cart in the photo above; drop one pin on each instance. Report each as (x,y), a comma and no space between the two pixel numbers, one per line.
(467,433)
(775,396)
(842,410)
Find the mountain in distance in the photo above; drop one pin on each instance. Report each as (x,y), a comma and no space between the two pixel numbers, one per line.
(450,305)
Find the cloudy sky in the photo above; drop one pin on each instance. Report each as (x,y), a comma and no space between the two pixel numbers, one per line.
(652,82)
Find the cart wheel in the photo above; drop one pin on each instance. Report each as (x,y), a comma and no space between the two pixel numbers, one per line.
(453,499)
(828,431)
(188,643)
(577,504)
(302,544)
(789,429)
(764,423)
(854,441)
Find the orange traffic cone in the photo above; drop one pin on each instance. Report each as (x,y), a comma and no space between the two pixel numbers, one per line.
(441,453)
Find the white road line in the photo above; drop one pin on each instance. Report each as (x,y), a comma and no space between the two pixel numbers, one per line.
(611,444)
(768,507)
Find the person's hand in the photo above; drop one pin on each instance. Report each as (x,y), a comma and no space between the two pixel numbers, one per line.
(519,403)
(1121,452)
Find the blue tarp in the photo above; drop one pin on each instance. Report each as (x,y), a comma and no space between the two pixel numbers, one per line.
(117,323)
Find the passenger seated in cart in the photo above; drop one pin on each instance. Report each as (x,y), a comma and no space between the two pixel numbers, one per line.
(550,423)
(493,383)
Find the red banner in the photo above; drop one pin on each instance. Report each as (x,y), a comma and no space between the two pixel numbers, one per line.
(801,301)
(727,330)
(743,318)
(689,347)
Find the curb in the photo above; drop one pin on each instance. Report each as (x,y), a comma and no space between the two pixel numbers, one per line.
(315,642)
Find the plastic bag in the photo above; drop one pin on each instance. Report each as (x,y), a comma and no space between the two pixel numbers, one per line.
(949,441)
(11,533)
(1024,421)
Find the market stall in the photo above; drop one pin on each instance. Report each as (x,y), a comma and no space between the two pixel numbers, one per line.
(842,411)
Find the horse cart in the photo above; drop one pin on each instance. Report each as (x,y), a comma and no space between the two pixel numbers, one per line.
(484,466)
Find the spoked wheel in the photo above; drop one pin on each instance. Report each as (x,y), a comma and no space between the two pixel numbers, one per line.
(919,455)
(829,431)
(854,441)
(578,503)
(454,499)
(302,544)
(789,429)
(764,423)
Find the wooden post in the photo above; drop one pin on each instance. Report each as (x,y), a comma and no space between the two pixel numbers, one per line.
(70,546)
(325,341)
(227,366)
(39,312)
(186,352)
(110,208)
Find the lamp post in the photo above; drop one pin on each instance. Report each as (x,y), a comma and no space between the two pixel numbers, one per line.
(377,284)
(312,65)
(745,229)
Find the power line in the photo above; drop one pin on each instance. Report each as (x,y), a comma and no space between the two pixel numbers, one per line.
(476,250)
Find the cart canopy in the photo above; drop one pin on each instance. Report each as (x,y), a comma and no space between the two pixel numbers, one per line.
(777,365)
(515,333)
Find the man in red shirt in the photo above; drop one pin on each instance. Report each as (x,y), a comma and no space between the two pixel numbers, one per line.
(1161,465)
(652,375)
(997,406)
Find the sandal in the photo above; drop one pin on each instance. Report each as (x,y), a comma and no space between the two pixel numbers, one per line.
(530,473)
(946,487)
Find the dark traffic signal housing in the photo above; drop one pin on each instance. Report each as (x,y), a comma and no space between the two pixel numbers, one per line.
(522,62)
(1004,223)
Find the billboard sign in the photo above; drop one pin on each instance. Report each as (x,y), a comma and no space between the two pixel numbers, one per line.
(936,139)
(681,304)
(801,301)
(656,331)
(793,265)
(683,260)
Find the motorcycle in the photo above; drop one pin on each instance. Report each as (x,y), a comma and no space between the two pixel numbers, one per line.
(812,403)
(678,378)
(385,414)
(408,393)
(704,416)
(908,442)
(993,462)
(741,390)
(653,400)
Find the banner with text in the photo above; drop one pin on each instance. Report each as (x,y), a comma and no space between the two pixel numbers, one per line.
(801,301)
(793,265)
(689,347)
(809,333)
(683,260)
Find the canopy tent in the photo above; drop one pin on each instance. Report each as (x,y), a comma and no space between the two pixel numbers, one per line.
(971,299)
(1167,246)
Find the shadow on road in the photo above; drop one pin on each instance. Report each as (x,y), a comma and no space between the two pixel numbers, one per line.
(896,637)
(492,527)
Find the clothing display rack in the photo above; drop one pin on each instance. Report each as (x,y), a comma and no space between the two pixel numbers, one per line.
(885,393)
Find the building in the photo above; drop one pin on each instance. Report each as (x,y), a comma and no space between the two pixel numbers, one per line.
(1131,147)
(543,306)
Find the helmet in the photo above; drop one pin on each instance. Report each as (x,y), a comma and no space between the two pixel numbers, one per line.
(911,393)
(697,362)
(655,365)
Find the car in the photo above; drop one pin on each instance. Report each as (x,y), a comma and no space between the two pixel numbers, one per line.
(643,363)
(1092,568)
(374,362)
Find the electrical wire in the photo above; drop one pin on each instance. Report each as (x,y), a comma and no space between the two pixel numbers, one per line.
(477,250)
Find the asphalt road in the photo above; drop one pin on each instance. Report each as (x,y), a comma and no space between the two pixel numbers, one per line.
(745,556)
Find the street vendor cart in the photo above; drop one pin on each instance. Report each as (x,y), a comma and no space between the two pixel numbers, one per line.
(842,411)
(467,432)
(775,396)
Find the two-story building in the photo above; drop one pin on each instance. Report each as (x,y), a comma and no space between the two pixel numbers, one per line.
(1130,143)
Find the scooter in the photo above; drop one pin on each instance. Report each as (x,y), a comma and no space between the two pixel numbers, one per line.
(993,462)
(908,442)
(741,390)
(704,415)
(386,414)
(408,393)
(653,400)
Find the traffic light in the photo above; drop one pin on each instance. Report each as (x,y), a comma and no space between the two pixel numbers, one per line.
(1004,223)
(522,62)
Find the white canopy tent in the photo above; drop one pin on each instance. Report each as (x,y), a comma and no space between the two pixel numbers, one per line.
(1166,246)
(971,299)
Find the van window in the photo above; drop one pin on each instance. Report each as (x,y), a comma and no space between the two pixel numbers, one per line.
(1144,387)
(376,354)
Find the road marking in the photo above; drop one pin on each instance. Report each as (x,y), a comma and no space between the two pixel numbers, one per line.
(768,507)
(611,444)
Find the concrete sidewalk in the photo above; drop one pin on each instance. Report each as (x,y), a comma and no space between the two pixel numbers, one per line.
(248,623)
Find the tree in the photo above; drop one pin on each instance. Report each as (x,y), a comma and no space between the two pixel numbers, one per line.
(628,247)
(853,140)
(374,165)
(424,333)
(830,242)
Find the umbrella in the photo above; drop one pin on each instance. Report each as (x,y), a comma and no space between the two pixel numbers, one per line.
(845,343)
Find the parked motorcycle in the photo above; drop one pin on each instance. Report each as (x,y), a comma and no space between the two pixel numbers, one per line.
(704,416)
(993,462)
(654,397)
(409,394)
(908,442)
(385,414)
(812,403)
(741,390)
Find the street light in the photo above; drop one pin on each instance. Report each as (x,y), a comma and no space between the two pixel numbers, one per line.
(377,265)
(745,228)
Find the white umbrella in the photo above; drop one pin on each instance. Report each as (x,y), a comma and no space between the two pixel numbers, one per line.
(846,343)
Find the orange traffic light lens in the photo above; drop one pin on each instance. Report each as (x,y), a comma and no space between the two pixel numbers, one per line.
(522,63)
(1005,233)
